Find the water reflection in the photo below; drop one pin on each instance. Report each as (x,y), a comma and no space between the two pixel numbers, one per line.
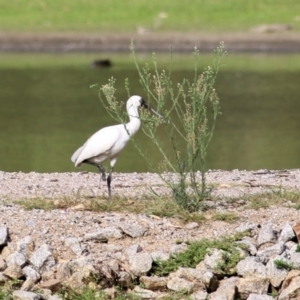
(47,112)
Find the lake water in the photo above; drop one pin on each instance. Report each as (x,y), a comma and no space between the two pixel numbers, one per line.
(48,110)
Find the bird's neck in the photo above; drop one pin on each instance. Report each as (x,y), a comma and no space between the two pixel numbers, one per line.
(134,120)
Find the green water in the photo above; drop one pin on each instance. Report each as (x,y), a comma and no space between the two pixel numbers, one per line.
(48,110)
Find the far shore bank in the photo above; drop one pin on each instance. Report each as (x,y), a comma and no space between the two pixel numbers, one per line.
(286,42)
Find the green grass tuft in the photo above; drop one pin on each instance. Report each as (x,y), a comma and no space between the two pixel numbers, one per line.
(282,264)
(226,217)
(196,252)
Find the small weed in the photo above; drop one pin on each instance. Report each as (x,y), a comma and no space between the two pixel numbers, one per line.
(282,264)
(37,203)
(274,294)
(196,253)
(5,295)
(239,235)
(298,248)
(258,201)
(226,217)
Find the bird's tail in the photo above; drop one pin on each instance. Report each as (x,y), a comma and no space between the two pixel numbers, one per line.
(76,155)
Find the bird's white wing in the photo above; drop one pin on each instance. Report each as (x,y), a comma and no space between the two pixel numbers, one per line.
(76,154)
(99,144)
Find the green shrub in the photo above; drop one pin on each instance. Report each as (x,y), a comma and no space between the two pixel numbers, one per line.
(190,110)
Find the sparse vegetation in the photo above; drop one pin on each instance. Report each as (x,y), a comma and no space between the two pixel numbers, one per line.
(270,197)
(196,252)
(283,264)
(195,107)
(161,207)
(5,295)
(226,217)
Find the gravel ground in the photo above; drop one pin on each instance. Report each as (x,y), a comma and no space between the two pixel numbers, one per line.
(54,226)
(228,183)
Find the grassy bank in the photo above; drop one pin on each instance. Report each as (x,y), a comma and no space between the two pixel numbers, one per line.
(233,62)
(128,16)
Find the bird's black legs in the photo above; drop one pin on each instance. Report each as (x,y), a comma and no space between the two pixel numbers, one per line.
(102,170)
(99,166)
(108,183)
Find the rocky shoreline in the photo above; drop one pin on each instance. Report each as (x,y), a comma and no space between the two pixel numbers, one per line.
(268,267)
(49,249)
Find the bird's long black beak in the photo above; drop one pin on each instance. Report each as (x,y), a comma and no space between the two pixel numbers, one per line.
(144,104)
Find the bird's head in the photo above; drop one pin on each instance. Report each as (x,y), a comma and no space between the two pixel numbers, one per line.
(137,101)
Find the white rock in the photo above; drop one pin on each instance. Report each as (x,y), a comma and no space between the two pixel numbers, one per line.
(226,289)
(31,273)
(105,234)
(265,254)
(133,230)
(179,248)
(276,275)
(204,279)
(144,294)
(25,246)
(42,258)
(251,267)
(212,260)
(266,234)
(245,227)
(191,225)
(250,247)
(3,235)
(287,233)
(295,259)
(247,286)
(132,250)
(74,245)
(140,263)
(16,258)
(154,282)
(24,295)
(159,255)
(79,263)
(180,284)
(259,297)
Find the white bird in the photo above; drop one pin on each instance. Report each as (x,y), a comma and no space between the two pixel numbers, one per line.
(108,142)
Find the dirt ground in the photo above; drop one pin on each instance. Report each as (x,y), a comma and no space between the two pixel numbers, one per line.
(287,41)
